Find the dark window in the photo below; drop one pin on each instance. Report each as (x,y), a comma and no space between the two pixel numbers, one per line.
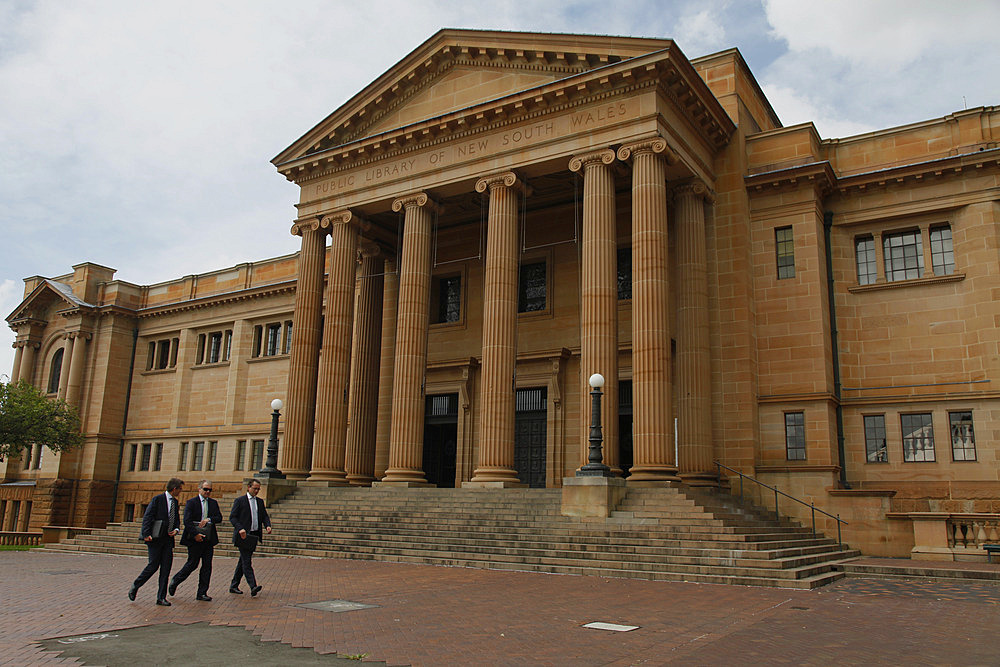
(273,340)
(151,357)
(214,347)
(918,437)
(227,347)
(447,306)
(200,358)
(174,344)
(241,450)
(199,456)
(256,455)
(864,251)
(147,452)
(258,336)
(624,273)
(157,455)
(286,346)
(795,436)
(132,457)
(532,286)
(36,460)
(784,249)
(903,256)
(129,512)
(875,449)
(162,353)
(963,438)
(182,458)
(212,447)
(55,370)
(942,252)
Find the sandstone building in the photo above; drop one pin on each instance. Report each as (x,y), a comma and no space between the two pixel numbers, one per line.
(499,216)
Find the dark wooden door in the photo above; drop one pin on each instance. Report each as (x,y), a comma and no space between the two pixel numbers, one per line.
(530,426)
(441,439)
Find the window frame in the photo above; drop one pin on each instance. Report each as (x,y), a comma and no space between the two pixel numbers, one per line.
(784,252)
(795,435)
(892,273)
(972,434)
(904,438)
(871,438)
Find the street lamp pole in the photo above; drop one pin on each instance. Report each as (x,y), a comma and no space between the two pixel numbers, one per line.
(595,460)
(270,469)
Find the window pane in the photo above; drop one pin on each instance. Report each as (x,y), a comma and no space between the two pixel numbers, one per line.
(531,288)
(286,346)
(795,436)
(182,459)
(942,254)
(918,437)
(157,456)
(624,273)
(864,250)
(200,359)
(875,448)
(147,450)
(199,455)
(257,455)
(241,448)
(903,256)
(228,346)
(55,370)
(131,459)
(214,347)
(212,447)
(273,339)
(963,439)
(785,252)
(163,353)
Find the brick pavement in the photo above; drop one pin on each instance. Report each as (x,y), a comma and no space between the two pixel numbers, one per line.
(454,616)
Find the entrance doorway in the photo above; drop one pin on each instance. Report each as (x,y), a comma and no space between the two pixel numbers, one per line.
(625,426)
(530,425)
(441,439)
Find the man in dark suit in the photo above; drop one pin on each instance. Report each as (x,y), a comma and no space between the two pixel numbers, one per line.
(159,525)
(201,519)
(248,518)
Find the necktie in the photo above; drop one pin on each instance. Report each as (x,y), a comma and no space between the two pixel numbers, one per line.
(253,515)
(173,514)
(204,508)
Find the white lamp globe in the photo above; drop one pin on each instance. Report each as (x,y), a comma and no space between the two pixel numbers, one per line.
(276,404)
(596,380)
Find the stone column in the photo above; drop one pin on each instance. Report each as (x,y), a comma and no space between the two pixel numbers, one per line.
(67,362)
(363,405)
(406,435)
(15,373)
(599,299)
(303,362)
(335,362)
(387,365)
(75,382)
(27,370)
(694,373)
(652,421)
(495,466)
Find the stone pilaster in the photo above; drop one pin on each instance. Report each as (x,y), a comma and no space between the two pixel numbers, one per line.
(599,298)
(67,362)
(303,362)
(363,405)
(406,439)
(495,466)
(75,382)
(694,373)
(27,370)
(15,373)
(335,362)
(652,421)
(387,365)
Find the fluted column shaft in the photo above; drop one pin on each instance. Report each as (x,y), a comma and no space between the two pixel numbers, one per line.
(335,362)
(496,440)
(406,439)
(363,406)
(652,420)
(599,299)
(387,365)
(75,381)
(303,362)
(694,375)
(27,370)
(67,362)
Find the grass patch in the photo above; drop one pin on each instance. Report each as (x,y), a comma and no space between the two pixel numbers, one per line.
(19,547)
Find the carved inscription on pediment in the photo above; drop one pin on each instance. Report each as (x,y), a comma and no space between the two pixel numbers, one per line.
(465,150)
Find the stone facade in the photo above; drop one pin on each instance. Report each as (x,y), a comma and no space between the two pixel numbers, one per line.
(499,216)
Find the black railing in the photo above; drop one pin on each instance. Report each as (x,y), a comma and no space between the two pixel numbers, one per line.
(812,507)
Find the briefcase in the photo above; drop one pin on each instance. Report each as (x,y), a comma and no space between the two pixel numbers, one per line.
(158,529)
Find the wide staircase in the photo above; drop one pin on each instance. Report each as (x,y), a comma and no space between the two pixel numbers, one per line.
(670,534)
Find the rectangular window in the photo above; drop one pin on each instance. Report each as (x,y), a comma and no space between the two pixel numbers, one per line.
(258,335)
(133,454)
(875,449)
(963,439)
(273,340)
(199,455)
(795,436)
(903,255)
(624,274)
(241,451)
(256,455)
(182,457)
(36,460)
(446,298)
(864,252)
(918,437)
(286,346)
(784,250)
(200,358)
(227,346)
(531,288)
(162,354)
(129,514)
(174,344)
(942,252)
(151,359)
(157,455)
(214,347)
(147,452)
(212,447)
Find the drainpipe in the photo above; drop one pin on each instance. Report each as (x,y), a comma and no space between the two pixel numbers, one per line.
(121,445)
(835,348)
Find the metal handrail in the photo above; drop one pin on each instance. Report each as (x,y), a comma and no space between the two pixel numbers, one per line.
(811,506)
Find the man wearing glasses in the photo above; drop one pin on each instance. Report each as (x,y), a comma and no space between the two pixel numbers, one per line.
(201,519)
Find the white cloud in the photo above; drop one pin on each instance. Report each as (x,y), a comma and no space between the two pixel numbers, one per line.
(11,292)
(701,33)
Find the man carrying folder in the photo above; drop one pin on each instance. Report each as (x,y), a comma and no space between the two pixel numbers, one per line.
(159,525)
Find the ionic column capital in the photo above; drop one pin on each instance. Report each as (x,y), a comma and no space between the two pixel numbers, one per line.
(506,179)
(654,145)
(695,187)
(304,225)
(416,200)
(604,156)
(85,335)
(345,217)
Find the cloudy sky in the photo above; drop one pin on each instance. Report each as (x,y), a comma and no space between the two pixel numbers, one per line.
(138,135)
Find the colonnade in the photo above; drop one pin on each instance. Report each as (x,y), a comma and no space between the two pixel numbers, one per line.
(383,393)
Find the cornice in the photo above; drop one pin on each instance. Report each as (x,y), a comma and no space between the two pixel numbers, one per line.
(217,299)
(819,175)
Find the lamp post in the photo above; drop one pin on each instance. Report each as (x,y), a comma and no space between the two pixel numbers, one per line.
(270,469)
(595,460)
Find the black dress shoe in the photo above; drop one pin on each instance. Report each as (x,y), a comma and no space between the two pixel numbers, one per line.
(163,603)
(172,588)
(132,591)
(255,590)
(233,589)
(204,598)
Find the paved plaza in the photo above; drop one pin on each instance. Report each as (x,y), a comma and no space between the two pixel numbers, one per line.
(424,615)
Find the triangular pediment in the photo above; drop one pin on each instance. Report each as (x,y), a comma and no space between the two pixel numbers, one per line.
(456,69)
(48,297)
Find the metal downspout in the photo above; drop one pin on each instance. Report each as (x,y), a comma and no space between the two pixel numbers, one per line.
(121,445)
(835,348)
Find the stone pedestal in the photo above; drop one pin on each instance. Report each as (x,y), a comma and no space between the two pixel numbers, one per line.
(591,496)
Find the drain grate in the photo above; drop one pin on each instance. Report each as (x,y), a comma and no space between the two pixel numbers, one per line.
(337,606)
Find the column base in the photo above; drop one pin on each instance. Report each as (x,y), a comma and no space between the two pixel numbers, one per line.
(360,480)
(700,478)
(654,473)
(505,484)
(296,474)
(591,496)
(495,474)
(402,485)
(401,476)
(335,478)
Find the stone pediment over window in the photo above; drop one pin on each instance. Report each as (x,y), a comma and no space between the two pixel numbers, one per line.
(48,297)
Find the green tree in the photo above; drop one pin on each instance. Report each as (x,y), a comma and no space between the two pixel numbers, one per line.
(27,418)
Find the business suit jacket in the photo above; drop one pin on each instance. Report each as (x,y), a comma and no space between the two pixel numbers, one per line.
(158,510)
(192,517)
(240,517)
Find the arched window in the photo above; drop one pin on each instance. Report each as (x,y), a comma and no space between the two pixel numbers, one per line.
(55,369)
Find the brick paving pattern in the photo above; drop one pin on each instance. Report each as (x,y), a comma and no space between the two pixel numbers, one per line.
(428,615)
